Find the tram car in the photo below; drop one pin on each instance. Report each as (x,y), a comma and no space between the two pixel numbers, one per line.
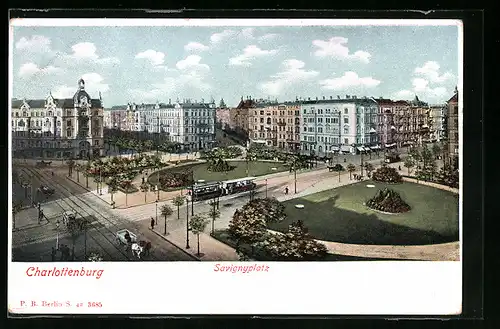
(211,190)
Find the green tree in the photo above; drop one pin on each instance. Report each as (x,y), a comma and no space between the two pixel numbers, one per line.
(178,201)
(112,187)
(76,227)
(369,168)
(247,227)
(198,223)
(296,244)
(71,164)
(16,208)
(351,168)
(166,211)
(214,214)
(409,163)
(145,187)
(436,150)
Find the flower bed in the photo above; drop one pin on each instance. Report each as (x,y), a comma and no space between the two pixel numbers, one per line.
(389,201)
(170,180)
(126,186)
(387,175)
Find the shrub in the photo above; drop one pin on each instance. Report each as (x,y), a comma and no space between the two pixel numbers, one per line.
(387,200)
(338,167)
(219,165)
(175,179)
(270,209)
(387,174)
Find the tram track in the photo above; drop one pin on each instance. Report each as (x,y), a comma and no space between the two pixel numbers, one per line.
(98,230)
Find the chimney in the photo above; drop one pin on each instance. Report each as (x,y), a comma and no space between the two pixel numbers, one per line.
(347,96)
(316,97)
(331,97)
(308,98)
(169,101)
(338,96)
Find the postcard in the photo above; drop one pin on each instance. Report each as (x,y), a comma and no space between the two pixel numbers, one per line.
(221,166)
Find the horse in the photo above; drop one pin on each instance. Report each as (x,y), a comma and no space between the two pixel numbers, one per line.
(136,250)
(146,245)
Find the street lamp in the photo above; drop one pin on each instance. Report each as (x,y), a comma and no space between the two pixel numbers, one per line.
(57,236)
(156,207)
(187,222)
(266,188)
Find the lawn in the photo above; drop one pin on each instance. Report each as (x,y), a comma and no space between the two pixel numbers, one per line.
(223,237)
(339,215)
(255,168)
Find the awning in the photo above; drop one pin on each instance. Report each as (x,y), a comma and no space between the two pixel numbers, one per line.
(376,147)
(360,148)
(345,148)
(425,126)
(390,145)
(334,148)
(372,131)
(367,148)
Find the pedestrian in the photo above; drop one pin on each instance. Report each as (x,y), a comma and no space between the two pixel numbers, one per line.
(286,190)
(52,173)
(53,254)
(152,223)
(399,168)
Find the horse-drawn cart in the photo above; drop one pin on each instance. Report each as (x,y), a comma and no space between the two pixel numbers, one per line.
(126,237)
(131,241)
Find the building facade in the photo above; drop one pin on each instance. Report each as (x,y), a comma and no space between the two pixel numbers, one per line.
(385,127)
(275,124)
(191,124)
(58,128)
(346,125)
(452,126)
(437,113)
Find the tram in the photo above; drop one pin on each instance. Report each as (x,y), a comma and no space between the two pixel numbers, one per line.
(211,190)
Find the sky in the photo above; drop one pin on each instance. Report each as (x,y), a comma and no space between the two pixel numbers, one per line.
(158,63)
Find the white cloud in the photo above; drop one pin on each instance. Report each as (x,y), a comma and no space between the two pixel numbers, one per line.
(267,37)
(93,85)
(247,33)
(219,37)
(37,43)
(336,48)
(87,52)
(427,83)
(155,57)
(27,70)
(349,80)
(430,71)
(293,72)
(192,62)
(249,53)
(195,46)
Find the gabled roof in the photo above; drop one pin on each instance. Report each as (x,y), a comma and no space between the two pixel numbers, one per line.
(454,98)
(64,103)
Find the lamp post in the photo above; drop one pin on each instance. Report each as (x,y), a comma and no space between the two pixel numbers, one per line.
(266,188)
(192,192)
(57,234)
(156,208)
(157,193)
(187,222)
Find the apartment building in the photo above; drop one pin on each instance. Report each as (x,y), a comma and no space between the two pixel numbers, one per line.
(58,128)
(452,126)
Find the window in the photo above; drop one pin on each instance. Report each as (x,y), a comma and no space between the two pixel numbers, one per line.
(346,141)
(96,142)
(305,128)
(320,130)
(305,111)
(320,120)
(346,120)
(261,112)
(346,111)
(346,129)
(261,120)
(269,121)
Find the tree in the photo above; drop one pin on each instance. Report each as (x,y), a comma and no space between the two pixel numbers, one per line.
(409,163)
(270,209)
(112,187)
(71,164)
(16,208)
(296,244)
(351,168)
(178,201)
(247,227)
(78,168)
(214,214)
(166,211)
(369,168)
(145,187)
(198,223)
(75,228)
(436,150)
